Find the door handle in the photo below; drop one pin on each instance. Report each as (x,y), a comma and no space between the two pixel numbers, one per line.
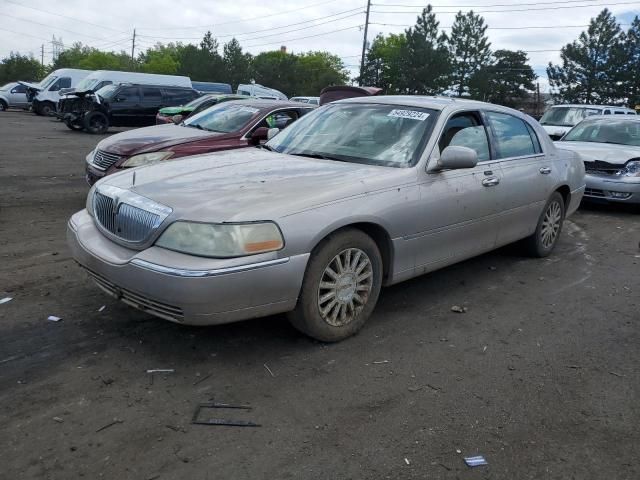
(545,170)
(490,182)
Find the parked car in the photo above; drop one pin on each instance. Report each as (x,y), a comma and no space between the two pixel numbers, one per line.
(358,194)
(610,148)
(340,92)
(44,96)
(13,95)
(212,87)
(559,119)
(311,100)
(257,90)
(229,125)
(122,105)
(182,112)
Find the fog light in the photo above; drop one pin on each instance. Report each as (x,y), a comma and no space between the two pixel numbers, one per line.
(620,195)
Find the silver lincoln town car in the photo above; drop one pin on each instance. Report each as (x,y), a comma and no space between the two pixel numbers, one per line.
(358,194)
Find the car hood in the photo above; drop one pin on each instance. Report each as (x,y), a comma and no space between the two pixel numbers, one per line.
(152,139)
(250,184)
(35,86)
(605,152)
(169,111)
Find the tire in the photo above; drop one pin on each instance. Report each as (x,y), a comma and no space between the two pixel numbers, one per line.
(3,106)
(332,314)
(96,122)
(46,108)
(548,229)
(75,125)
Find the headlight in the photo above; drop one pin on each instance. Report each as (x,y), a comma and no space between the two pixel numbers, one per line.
(631,169)
(145,159)
(89,205)
(222,240)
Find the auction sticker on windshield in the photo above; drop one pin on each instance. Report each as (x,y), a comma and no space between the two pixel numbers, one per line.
(412,114)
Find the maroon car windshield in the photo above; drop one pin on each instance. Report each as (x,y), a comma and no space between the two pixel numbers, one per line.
(223,118)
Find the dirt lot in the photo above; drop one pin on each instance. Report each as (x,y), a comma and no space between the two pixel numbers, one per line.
(540,375)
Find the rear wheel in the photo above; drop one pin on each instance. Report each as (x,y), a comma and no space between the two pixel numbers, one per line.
(340,287)
(96,122)
(544,239)
(74,124)
(3,106)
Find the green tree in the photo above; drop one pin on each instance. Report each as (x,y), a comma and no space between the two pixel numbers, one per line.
(385,64)
(161,58)
(278,70)
(90,58)
(591,64)
(237,64)
(317,70)
(470,50)
(427,61)
(630,73)
(506,81)
(201,62)
(20,67)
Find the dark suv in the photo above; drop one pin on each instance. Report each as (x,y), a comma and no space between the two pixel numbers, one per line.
(122,105)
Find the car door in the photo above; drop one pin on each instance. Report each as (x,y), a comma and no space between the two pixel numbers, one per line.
(528,174)
(152,101)
(18,96)
(460,207)
(126,107)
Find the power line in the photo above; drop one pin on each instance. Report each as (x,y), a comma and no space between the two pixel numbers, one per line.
(212,25)
(54,28)
(359,12)
(514,10)
(285,40)
(501,28)
(482,5)
(25,34)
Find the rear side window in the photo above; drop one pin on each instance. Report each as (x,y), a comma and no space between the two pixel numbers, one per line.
(512,136)
(466,130)
(178,97)
(151,95)
(128,94)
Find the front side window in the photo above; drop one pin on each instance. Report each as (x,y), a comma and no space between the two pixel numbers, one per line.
(223,118)
(374,134)
(619,131)
(19,89)
(512,135)
(64,82)
(466,130)
(128,94)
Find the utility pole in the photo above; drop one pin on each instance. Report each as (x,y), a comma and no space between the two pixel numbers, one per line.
(42,55)
(364,41)
(133,46)
(537,98)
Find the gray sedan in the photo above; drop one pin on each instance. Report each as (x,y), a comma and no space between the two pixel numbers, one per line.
(358,194)
(610,148)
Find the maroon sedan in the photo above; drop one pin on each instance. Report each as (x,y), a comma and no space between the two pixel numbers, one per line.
(234,124)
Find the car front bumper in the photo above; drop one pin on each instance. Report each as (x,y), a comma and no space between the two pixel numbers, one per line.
(612,188)
(156,280)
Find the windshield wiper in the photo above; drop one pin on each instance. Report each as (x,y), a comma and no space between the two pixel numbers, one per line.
(266,147)
(318,156)
(193,125)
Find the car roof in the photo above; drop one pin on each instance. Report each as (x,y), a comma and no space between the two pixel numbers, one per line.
(582,105)
(265,103)
(611,118)
(423,101)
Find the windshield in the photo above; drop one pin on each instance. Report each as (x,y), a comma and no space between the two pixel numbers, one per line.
(618,131)
(567,116)
(223,118)
(47,81)
(387,135)
(107,91)
(87,84)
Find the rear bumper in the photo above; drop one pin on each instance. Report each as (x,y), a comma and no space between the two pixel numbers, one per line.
(219,293)
(612,189)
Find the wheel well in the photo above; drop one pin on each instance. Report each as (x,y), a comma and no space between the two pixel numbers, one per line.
(380,236)
(566,195)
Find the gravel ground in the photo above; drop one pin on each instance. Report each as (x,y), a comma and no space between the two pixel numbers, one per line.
(540,375)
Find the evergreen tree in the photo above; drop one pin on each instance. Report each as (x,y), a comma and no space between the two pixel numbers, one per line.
(385,64)
(506,81)
(428,62)
(591,65)
(470,50)
(630,73)
(237,64)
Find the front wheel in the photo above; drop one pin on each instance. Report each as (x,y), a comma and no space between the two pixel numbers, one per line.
(3,106)
(96,122)
(548,229)
(340,287)
(46,109)
(74,125)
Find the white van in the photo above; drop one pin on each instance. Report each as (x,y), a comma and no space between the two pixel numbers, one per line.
(256,90)
(98,79)
(559,119)
(44,95)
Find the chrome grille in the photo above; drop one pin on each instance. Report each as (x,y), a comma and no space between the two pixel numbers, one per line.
(594,192)
(136,300)
(601,168)
(104,160)
(125,221)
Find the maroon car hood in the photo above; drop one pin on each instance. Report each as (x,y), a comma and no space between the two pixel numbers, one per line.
(158,137)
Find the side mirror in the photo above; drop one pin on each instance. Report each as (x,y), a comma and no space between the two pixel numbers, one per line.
(272,132)
(259,134)
(176,119)
(453,158)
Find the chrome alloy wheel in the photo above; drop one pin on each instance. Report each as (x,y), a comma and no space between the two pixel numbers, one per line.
(551,224)
(345,287)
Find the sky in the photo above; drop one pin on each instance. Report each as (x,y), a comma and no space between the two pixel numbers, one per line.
(300,25)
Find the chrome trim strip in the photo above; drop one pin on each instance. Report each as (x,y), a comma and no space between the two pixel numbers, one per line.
(177,272)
